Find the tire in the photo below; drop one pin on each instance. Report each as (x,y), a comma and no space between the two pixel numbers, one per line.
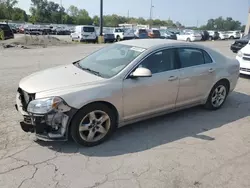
(210,38)
(83,116)
(223,85)
(118,38)
(188,40)
(231,37)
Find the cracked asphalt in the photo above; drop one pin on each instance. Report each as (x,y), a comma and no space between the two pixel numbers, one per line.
(194,148)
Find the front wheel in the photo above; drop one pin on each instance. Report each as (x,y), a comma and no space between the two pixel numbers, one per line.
(217,96)
(188,40)
(93,124)
(118,38)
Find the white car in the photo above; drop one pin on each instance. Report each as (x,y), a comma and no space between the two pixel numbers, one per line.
(223,35)
(234,34)
(123,34)
(243,57)
(189,36)
(84,33)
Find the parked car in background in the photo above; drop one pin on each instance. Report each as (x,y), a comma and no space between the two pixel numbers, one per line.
(223,35)
(189,36)
(141,34)
(240,43)
(13,28)
(84,33)
(37,29)
(8,33)
(234,34)
(213,35)
(107,33)
(243,56)
(154,33)
(165,34)
(123,34)
(60,31)
(88,99)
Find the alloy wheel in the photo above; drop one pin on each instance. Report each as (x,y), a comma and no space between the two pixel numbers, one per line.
(219,96)
(94,126)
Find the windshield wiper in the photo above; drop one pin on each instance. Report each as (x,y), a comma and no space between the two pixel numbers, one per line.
(92,71)
(88,69)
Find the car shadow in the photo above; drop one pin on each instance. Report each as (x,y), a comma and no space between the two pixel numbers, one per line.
(162,130)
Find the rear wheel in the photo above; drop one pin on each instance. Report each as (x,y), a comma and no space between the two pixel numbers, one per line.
(210,38)
(217,95)
(231,38)
(188,40)
(93,124)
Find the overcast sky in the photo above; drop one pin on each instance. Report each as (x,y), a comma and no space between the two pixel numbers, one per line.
(188,12)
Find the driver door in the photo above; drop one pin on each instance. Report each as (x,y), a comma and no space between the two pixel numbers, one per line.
(143,96)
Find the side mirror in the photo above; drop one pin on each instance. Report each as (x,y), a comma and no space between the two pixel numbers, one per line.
(141,72)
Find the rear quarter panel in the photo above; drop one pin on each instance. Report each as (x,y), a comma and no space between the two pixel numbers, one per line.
(226,68)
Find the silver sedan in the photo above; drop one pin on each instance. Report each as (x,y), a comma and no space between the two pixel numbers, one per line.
(120,84)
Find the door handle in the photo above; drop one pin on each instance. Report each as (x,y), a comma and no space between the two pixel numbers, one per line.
(211,70)
(172,78)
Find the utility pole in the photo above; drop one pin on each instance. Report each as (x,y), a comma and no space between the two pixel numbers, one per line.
(101,37)
(101,17)
(61,12)
(151,12)
(128,13)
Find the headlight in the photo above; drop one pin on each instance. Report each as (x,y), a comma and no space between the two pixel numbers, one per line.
(239,54)
(43,106)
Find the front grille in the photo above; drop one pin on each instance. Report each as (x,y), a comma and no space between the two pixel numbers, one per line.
(246,58)
(245,69)
(246,54)
(25,98)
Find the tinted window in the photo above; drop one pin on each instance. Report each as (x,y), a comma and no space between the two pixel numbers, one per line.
(190,57)
(207,58)
(88,29)
(142,31)
(160,61)
(119,30)
(246,36)
(4,27)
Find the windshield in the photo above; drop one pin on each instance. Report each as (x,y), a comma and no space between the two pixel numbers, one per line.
(246,37)
(4,27)
(110,60)
(143,31)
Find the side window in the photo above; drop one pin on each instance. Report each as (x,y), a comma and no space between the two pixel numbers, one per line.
(190,57)
(161,61)
(207,58)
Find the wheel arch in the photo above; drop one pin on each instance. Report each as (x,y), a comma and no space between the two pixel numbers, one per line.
(219,80)
(108,104)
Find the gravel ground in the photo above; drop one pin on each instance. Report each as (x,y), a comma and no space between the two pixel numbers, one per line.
(193,148)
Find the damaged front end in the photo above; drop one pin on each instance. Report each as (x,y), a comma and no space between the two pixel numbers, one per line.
(48,118)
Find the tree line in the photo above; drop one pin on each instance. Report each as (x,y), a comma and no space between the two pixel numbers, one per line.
(44,11)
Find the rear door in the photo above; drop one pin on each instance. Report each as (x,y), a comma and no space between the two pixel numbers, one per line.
(88,33)
(197,75)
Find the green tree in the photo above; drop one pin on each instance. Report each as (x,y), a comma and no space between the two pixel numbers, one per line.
(19,15)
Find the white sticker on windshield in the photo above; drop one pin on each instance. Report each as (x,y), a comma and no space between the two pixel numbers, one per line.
(137,49)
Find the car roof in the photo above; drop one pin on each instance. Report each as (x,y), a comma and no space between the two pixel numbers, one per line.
(153,43)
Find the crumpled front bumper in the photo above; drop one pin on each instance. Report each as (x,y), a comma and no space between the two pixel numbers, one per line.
(52,126)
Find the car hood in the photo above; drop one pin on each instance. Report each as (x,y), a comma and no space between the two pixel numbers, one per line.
(246,49)
(57,77)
